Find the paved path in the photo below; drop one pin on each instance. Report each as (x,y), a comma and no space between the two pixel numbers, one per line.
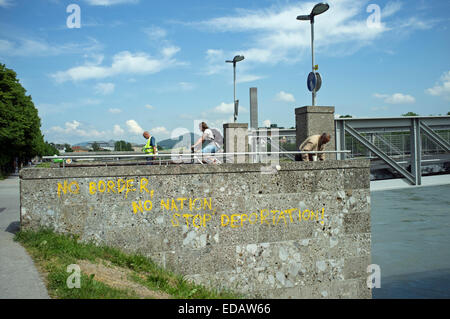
(18,275)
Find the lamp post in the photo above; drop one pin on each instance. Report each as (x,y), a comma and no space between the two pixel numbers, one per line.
(235,60)
(318,9)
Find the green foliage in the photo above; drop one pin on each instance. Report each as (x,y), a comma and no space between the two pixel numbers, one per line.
(410,114)
(448,113)
(68,148)
(122,146)
(20,133)
(49,149)
(95,147)
(54,252)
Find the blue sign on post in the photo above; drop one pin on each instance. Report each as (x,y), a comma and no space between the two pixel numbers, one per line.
(319,81)
(312,81)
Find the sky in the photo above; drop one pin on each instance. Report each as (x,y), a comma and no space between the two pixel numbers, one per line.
(109,69)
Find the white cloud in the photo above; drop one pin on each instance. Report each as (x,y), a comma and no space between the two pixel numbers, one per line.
(285,97)
(266,123)
(224,108)
(123,63)
(227,108)
(118,131)
(159,130)
(248,78)
(5,3)
(74,129)
(104,88)
(390,9)
(275,35)
(215,62)
(34,47)
(155,33)
(441,88)
(396,98)
(150,107)
(115,111)
(170,51)
(66,106)
(109,2)
(94,58)
(134,127)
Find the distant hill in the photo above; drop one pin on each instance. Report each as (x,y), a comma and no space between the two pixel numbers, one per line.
(188,140)
(85,144)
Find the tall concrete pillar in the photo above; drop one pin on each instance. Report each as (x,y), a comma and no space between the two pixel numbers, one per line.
(311,120)
(254,108)
(235,140)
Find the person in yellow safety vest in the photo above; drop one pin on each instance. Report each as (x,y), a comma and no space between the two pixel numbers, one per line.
(150,147)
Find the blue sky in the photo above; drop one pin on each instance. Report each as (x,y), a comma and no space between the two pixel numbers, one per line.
(160,65)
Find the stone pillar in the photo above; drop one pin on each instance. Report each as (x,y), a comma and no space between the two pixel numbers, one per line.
(254,108)
(311,120)
(235,139)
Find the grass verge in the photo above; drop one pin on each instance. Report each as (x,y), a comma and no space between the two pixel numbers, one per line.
(106,272)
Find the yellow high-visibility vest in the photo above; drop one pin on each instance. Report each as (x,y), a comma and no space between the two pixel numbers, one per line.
(148,149)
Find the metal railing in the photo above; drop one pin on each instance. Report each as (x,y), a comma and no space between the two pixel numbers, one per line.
(410,134)
(180,158)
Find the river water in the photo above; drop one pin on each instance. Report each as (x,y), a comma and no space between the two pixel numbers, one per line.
(411,242)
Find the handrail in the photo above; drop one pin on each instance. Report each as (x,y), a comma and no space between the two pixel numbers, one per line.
(188,154)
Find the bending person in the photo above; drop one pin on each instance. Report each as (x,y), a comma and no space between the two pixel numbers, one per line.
(314,143)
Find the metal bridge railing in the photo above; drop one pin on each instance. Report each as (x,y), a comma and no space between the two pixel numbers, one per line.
(414,137)
(179,158)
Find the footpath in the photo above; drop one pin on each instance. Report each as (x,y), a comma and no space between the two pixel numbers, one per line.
(18,275)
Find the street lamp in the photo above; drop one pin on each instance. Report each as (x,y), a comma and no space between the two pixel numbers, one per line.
(314,80)
(235,60)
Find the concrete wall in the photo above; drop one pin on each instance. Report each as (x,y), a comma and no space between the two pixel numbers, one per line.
(276,258)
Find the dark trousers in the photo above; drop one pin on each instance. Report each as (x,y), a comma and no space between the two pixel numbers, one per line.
(149,160)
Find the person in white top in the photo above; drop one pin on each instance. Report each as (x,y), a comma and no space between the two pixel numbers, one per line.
(206,140)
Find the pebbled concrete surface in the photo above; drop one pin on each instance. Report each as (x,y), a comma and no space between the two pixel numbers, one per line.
(302,258)
(19,278)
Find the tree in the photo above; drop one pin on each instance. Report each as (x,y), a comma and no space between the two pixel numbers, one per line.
(410,114)
(68,148)
(345,116)
(20,132)
(122,146)
(448,113)
(49,149)
(95,147)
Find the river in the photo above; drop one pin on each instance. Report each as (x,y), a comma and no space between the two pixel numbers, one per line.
(410,241)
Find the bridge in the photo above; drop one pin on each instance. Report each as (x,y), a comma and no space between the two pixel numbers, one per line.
(414,132)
